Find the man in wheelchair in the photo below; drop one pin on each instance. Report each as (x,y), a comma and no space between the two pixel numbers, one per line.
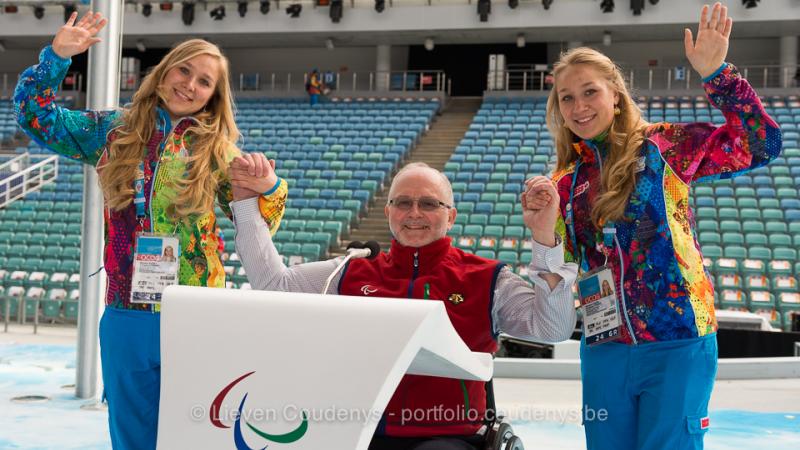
(482,296)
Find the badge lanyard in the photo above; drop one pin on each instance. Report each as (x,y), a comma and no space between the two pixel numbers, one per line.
(156,257)
(138,199)
(596,288)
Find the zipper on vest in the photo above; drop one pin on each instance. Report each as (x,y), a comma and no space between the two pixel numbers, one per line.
(414,275)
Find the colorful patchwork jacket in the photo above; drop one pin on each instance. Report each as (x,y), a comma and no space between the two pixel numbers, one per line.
(664,290)
(85,136)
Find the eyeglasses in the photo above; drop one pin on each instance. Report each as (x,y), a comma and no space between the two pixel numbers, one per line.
(427,204)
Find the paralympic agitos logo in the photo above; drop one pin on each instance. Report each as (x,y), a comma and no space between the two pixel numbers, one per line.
(238,437)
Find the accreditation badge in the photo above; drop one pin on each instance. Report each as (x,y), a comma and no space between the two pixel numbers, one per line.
(601,321)
(155,266)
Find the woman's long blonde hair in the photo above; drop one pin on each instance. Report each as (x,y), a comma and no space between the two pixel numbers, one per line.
(625,136)
(212,138)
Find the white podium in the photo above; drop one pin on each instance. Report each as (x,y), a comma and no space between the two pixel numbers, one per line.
(254,369)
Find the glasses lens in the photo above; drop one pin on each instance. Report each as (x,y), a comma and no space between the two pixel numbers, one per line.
(403,203)
(428,204)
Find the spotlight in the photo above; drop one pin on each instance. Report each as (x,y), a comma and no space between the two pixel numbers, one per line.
(484,9)
(165,6)
(10,9)
(336,11)
(750,3)
(637,6)
(264,6)
(547,3)
(140,46)
(38,12)
(329,44)
(218,13)
(521,40)
(242,7)
(294,10)
(380,5)
(607,6)
(69,8)
(429,44)
(147,9)
(187,13)
(653,2)
(513,4)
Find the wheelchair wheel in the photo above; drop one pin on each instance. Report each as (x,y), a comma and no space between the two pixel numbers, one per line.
(500,434)
(515,443)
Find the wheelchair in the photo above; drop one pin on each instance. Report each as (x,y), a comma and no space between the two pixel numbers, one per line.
(495,434)
(498,434)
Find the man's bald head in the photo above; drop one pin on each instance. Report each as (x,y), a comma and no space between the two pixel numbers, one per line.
(437,178)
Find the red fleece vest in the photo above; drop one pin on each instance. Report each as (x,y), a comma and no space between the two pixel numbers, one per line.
(422,405)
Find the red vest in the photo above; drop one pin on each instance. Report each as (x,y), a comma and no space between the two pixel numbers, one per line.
(422,405)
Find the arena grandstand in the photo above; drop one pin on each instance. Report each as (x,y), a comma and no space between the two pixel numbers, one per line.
(461,85)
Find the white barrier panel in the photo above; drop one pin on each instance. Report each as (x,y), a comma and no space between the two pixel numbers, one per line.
(249,369)
(570,369)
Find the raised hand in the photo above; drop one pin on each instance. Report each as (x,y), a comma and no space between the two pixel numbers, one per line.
(707,54)
(540,203)
(75,38)
(251,175)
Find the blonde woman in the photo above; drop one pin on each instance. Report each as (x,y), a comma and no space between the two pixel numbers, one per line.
(648,369)
(162,163)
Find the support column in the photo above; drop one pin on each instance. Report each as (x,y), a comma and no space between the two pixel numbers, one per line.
(383,66)
(102,92)
(788,49)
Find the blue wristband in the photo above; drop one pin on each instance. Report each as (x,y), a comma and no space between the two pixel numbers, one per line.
(274,188)
(716,72)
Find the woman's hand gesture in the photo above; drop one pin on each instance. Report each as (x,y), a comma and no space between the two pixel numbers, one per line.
(75,38)
(708,53)
(540,203)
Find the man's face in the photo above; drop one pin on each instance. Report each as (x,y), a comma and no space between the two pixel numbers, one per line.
(414,226)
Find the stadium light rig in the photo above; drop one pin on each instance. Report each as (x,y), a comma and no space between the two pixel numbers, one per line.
(187,13)
(336,10)
(294,10)
(637,6)
(484,9)
(69,8)
(218,13)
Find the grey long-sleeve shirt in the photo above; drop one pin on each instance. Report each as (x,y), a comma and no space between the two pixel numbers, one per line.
(535,312)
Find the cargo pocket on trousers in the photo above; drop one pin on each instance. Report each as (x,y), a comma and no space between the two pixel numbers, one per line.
(696,428)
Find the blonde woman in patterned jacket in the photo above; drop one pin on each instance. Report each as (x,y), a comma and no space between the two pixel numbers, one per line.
(162,163)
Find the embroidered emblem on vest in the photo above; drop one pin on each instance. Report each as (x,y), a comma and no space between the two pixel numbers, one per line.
(367,289)
(455,299)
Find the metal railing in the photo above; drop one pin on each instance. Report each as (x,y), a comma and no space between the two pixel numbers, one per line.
(407,81)
(27,179)
(400,81)
(16,163)
(649,78)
